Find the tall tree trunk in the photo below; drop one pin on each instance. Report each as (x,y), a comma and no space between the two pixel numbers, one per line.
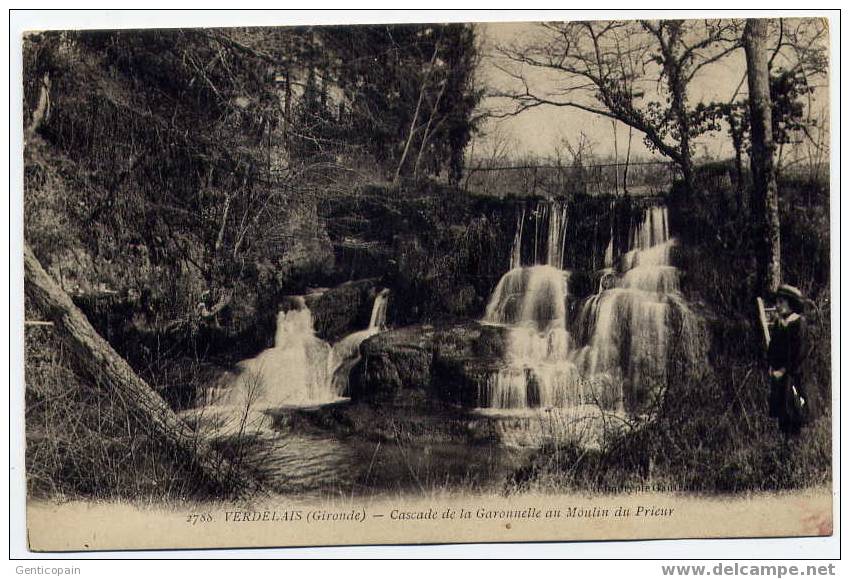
(413,122)
(626,168)
(765,193)
(427,135)
(42,107)
(679,105)
(95,357)
(677,85)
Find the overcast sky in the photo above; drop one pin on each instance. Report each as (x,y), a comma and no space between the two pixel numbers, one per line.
(536,131)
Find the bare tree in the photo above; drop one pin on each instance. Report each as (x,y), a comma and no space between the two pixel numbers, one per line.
(494,149)
(423,86)
(636,73)
(581,153)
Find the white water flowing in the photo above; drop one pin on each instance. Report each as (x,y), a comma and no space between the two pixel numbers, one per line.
(608,259)
(617,353)
(557,234)
(346,353)
(628,325)
(293,372)
(301,369)
(516,250)
(548,235)
(532,302)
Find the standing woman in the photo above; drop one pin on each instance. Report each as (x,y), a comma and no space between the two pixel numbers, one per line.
(789,402)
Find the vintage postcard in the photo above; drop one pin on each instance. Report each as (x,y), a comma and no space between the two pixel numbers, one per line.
(427,283)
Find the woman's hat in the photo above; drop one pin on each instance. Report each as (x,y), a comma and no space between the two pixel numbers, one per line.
(793,295)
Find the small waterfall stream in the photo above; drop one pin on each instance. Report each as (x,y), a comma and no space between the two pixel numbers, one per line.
(301,369)
(627,325)
(293,372)
(346,353)
(614,353)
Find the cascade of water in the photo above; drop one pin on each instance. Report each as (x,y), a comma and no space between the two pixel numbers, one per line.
(627,325)
(532,302)
(622,331)
(294,371)
(301,368)
(346,353)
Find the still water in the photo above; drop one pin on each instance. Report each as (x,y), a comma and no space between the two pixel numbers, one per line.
(294,457)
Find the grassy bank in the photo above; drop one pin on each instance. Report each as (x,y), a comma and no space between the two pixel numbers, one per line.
(83,442)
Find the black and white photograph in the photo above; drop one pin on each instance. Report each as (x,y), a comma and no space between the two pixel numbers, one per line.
(450,282)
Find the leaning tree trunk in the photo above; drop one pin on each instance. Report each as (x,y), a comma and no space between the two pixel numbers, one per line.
(96,357)
(765,193)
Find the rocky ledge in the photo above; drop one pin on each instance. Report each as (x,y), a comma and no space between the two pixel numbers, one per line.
(447,363)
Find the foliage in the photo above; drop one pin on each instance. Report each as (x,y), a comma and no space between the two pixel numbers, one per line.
(398,80)
(208,150)
(790,122)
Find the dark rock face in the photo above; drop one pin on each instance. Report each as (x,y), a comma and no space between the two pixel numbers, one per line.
(441,251)
(355,258)
(447,363)
(307,252)
(343,309)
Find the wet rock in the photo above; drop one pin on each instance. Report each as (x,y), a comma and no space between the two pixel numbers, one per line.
(415,364)
(356,257)
(393,365)
(343,309)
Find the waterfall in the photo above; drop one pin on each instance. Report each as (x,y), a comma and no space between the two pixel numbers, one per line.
(608,259)
(346,353)
(378,318)
(293,372)
(531,301)
(549,235)
(301,369)
(516,250)
(616,352)
(628,325)
(557,235)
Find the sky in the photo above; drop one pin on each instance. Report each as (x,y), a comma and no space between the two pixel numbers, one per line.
(537,131)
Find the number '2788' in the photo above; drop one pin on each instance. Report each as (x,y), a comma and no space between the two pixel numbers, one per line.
(195,518)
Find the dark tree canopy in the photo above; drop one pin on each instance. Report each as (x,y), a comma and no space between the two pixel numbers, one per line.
(211,148)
